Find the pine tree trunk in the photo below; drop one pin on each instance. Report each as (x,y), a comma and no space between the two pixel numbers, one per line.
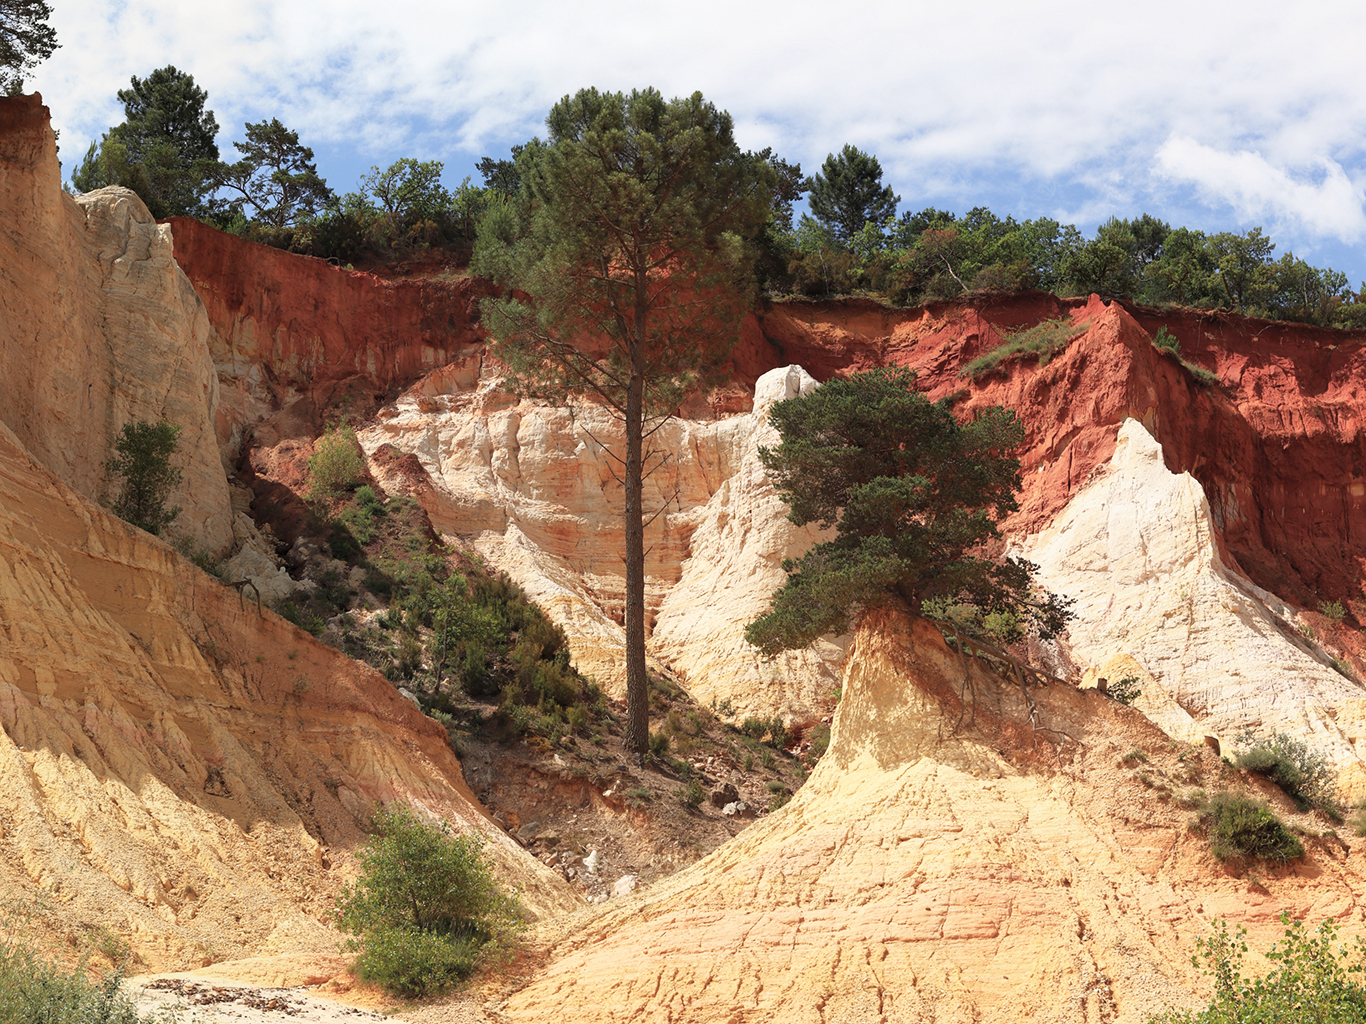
(633,516)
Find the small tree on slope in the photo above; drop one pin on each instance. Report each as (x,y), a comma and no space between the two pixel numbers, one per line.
(912,494)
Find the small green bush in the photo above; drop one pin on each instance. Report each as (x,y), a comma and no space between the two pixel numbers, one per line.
(412,962)
(1302,772)
(1125,690)
(659,744)
(336,464)
(35,991)
(1043,340)
(143,459)
(1332,610)
(424,907)
(1313,979)
(1241,828)
(692,795)
(1167,341)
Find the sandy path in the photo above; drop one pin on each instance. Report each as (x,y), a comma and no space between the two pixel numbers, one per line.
(207,1000)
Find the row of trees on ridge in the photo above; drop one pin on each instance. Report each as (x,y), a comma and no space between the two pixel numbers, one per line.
(852,241)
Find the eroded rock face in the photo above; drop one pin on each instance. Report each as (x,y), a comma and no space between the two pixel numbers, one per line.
(941,866)
(99,328)
(179,766)
(534,490)
(296,336)
(1215,654)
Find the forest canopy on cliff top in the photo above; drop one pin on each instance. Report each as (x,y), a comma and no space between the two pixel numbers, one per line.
(852,241)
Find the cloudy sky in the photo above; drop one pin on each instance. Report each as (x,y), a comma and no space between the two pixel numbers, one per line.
(1210,115)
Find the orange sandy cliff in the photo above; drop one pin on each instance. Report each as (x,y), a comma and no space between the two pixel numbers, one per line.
(171,755)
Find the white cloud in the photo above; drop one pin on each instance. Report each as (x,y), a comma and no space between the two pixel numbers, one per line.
(1064,102)
(1258,190)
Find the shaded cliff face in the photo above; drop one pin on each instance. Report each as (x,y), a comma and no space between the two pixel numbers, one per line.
(98,328)
(946,863)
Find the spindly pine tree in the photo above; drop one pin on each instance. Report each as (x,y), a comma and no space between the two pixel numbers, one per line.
(626,253)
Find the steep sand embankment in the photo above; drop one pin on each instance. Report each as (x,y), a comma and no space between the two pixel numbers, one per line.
(177,767)
(948,863)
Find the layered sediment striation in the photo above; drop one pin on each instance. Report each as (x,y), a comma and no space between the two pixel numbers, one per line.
(178,765)
(296,336)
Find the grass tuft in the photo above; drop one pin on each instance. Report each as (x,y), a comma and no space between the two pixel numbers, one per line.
(1044,340)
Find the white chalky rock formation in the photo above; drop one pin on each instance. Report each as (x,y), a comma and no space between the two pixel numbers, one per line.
(1215,654)
(533,489)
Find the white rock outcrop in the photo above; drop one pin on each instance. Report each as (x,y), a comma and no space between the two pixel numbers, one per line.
(532,488)
(1215,654)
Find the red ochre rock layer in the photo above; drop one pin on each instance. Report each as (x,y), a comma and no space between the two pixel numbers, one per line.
(310,325)
(1278,445)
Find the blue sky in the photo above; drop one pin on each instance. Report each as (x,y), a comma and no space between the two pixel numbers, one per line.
(1210,115)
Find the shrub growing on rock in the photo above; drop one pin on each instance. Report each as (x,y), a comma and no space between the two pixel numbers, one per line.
(425,907)
(336,463)
(913,494)
(33,990)
(1241,828)
(1301,771)
(143,458)
(1312,979)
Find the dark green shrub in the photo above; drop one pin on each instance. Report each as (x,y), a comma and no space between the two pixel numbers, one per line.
(1241,828)
(1166,341)
(1302,772)
(424,906)
(143,459)
(475,677)
(820,742)
(412,962)
(659,744)
(304,618)
(1125,690)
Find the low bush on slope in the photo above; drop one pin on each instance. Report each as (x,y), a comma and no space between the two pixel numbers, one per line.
(425,908)
(35,991)
(1302,772)
(1241,828)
